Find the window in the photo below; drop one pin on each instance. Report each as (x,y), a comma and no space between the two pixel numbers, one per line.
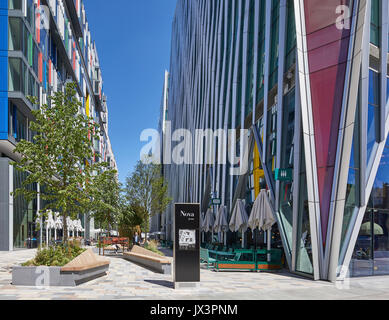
(375,22)
(26,234)
(18,123)
(290,52)
(15,34)
(274,34)
(286,187)
(15,4)
(371,252)
(353,181)
(303,240)
(14,74)
(373,116)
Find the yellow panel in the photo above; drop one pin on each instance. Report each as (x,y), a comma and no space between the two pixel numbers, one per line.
(87,105)
(258,172)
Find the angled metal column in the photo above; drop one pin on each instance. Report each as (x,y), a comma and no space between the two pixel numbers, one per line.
(308,137)
(345,141)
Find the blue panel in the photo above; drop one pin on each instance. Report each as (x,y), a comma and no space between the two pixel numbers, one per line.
(3,74)
(3,32)
(4,4)
(3,69)
(3,118)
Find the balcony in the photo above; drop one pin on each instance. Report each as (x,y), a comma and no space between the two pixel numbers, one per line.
(104,118)
(72,13)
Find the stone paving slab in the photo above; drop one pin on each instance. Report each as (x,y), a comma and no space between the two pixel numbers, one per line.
(126,280)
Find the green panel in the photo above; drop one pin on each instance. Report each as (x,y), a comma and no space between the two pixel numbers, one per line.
(283,174)
(30,50)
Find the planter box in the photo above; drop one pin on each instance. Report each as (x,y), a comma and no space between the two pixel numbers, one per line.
(84,268)
(149,259)
(53,276)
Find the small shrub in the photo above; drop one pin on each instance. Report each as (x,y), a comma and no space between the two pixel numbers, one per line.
(56,256)
(153,246)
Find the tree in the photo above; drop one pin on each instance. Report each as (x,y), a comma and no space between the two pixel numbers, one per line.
(106,204)
(129,220)
(60,156)
(146,191)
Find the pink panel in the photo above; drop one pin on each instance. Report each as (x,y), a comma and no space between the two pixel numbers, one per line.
(327,59)
(325,36)
(328,55)
(321,13)
(327,93)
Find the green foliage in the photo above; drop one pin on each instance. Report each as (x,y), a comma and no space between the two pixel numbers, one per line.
(146,191)
(106,205)
(60,156)
(57,256)
(152,246)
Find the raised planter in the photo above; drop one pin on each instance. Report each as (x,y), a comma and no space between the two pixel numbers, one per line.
(87,266)
(149,260)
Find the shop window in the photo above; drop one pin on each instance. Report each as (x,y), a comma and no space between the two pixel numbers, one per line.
(354,180)
(371,252)
(303,239)
(286,186)
(25,233)
(271,146)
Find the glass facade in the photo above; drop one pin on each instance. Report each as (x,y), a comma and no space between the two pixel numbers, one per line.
(354,178)
(36,62)
(373,114)
(287,159)
(339,149)
(26,234)
(371,252)
(303,238)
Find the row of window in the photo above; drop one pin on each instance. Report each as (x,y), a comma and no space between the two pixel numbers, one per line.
(21,79)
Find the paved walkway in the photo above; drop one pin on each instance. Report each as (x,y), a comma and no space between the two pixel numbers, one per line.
(126,280)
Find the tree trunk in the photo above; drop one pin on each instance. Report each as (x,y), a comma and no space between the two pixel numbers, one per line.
(65,229)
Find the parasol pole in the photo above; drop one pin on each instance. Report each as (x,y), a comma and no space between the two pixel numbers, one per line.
(268,245)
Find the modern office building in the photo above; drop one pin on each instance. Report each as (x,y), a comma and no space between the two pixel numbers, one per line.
(308,79)
(43,45)
(158,222)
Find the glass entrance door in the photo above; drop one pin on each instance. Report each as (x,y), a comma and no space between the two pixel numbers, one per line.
(381,241)
(371,252)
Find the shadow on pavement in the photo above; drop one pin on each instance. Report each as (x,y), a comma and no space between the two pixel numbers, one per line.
(163,283)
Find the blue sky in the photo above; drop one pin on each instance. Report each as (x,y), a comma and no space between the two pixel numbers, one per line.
(133,42)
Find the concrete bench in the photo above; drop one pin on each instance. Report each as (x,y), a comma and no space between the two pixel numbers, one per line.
(87,266)
(149,259)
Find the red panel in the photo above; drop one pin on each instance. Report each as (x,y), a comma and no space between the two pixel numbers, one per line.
(321,13)
(40,67)
(49,72)
(325,177)
(327,58)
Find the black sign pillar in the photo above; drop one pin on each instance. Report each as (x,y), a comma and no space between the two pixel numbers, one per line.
(186,245)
